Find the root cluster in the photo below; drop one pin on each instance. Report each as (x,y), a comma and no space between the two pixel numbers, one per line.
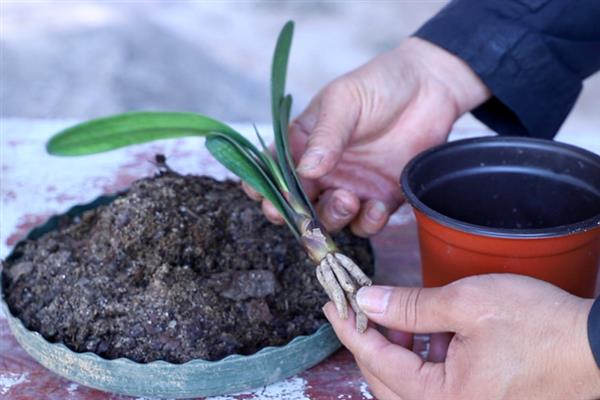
(341,278)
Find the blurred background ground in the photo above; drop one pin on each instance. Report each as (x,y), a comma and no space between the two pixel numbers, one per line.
(80,59)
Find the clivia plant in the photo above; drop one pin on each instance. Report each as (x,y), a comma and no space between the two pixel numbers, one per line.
(273,177)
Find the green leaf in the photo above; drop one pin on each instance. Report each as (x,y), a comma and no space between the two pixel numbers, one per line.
(122,130)
(298,190)
(281,108)
(279,70)
(271,164)
(235,159)
(278,78)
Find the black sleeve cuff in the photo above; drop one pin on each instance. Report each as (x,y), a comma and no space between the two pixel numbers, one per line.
(533,91)
(594,330)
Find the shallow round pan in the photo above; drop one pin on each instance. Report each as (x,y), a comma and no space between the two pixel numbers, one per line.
(194,378)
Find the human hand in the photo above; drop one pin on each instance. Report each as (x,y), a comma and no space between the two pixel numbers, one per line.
(357,134)
(515,338)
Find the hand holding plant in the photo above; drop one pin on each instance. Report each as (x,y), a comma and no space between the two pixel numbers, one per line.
(358,133)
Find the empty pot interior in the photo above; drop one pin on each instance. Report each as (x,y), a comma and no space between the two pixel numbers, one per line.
(507,183)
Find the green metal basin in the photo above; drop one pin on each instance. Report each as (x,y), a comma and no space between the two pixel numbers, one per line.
(194,378)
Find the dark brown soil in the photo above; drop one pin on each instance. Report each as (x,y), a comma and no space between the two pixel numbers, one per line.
(180,267)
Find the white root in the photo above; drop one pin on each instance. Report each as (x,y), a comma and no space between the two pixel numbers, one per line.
(360,317)
(354,270)
(334,287)
(342,276)
(323,283)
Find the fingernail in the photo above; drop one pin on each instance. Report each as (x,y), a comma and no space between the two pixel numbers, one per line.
(373,299)
(340,208)
(377,211)
(311,160)
(325,311)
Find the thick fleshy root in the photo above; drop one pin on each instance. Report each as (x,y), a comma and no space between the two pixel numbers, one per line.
(341,278)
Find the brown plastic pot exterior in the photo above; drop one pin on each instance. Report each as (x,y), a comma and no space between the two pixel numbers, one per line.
(570,262)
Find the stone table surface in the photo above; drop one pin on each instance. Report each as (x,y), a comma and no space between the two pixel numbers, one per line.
(35,186)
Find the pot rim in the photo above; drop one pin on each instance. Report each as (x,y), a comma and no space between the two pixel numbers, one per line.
(481,230)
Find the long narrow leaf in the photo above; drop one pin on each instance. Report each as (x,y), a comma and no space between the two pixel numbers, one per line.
(279,70)
(278,78)
(286,105)
(271,164)
(122,130)
(241,164)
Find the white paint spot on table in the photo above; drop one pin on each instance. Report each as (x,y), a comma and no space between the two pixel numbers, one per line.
(72,388)
(10,379)
(364,391)
(289,389)
(148,398)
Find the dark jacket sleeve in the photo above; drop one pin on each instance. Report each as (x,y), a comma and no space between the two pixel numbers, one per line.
(532,54)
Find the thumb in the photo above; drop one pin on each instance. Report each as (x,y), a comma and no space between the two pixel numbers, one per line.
(415,310)
(336,118)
